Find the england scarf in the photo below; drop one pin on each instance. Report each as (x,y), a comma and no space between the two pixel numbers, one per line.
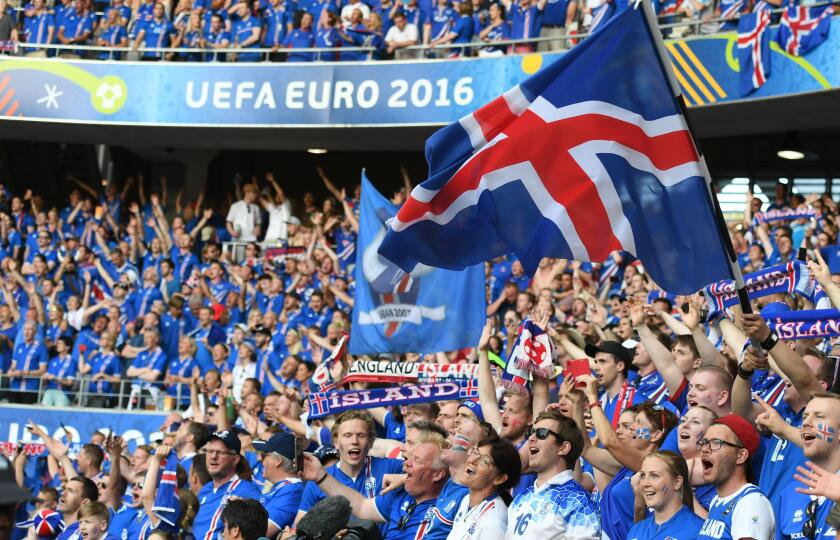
(322,404)
(785,215)
(791,278)
(817,323)
(400,372)
(166,506)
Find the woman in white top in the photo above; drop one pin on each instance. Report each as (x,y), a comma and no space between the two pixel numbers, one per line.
(491,471)
(245,368)
(279,211)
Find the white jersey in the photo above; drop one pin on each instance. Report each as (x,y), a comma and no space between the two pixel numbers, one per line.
(486,521)
(558,509)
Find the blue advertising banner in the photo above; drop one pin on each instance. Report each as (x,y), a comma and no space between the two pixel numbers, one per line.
(80,423)
(430,310)
(350,94)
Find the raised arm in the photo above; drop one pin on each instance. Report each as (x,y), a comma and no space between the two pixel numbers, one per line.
(486,386)
(659,354)
(361,507)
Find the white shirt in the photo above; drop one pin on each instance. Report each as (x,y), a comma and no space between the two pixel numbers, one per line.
(245,218)
(409,33)
(347,11)
(277,217)
(240,373)
(486,521)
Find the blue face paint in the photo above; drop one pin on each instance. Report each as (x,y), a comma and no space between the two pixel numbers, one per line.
(643,433)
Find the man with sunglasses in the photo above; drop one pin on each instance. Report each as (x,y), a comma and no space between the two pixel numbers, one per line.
(410,511)
(222,457)
(555,506)
(739,510)
(805,515)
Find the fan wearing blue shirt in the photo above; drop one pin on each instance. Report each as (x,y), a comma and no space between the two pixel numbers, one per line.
(665,485)
(278,23)
(156,33)
(113,35)
(277,455)
(60,373)
(440,20)
(222,456)
(215,37)
(38,26)
(556,15)
(76,27)
(29,362)
(151,362)
(525,16)
(408,512)
(353,434)
(245,31)
(461,31)
(301,38)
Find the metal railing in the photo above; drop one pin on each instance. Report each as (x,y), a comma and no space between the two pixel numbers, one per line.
(694,26)
(128,394)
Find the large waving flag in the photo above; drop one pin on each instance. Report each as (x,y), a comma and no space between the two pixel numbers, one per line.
(424,311)
(804,28)
(754,50)
(588,156)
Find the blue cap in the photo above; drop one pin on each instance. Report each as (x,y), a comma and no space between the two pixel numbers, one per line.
(229,438)
(280,443)
(325,452)
(474,407)
(774,308)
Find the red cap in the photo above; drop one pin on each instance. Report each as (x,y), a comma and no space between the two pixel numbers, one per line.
(218,309)
(742,429)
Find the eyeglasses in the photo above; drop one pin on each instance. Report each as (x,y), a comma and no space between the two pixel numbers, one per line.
(218,453)
(541,433)
(403,521)
(484,459)
(809,529)
(715,444)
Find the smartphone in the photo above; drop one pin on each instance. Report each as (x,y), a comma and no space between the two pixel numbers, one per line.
(98,212)
(300,445)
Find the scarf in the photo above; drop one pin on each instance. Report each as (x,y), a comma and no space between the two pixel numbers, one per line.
(792,277)
(817,323)
(322,379)
(326,403)
(400,372)
(785,215)
(166,506)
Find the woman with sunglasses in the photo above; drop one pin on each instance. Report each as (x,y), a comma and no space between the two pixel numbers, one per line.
(492,469)
(665,487)
(641,430)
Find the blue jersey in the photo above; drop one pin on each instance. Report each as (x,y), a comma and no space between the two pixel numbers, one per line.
(171,332)
(327,38)
(212,500)
(498,33)
(242,30)
(394,429)
(780,459)
(154,359)
(107,364)
(617,505)
(29,357)
(651,386)
(143,300)
(439,522)
(557,508)
(120,521)
(744,514)
(397,504)
(181,367)
(158,34)
(62,368)
(299,39)
(554,13)
(113,35)
(794,514)
(441,20)
(368,483)
(525,23)
(463,28)
(277,21)
(36,28)
(684,525)
(282,501)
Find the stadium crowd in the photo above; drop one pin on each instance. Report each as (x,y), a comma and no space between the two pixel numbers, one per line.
(674,428)
(382,28)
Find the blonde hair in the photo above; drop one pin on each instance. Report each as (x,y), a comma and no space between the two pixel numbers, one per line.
(96,510)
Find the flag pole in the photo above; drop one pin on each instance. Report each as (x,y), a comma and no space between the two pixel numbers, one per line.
(676,92)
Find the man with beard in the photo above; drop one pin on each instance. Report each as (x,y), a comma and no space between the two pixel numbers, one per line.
(739,510)
(222,457)
(353,434)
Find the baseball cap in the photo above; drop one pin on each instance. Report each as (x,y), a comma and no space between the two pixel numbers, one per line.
(229,438)
(612,347)
(742,429)
(244,328)
(280,443)
(10,492)
(774,308)
(218,309)
(474,407)
(262,330)
(293,221)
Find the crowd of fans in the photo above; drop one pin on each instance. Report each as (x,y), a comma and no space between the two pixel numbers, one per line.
(382,28)
(676,429)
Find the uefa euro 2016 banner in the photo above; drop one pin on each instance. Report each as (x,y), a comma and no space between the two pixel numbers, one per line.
(434,92)
(80,424)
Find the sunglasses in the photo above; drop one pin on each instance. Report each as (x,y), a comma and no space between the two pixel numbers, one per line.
(809,528)
(403,521)
(541,433)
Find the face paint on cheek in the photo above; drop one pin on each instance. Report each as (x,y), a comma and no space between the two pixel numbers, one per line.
(825,432)
(643,433)
(460,443)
